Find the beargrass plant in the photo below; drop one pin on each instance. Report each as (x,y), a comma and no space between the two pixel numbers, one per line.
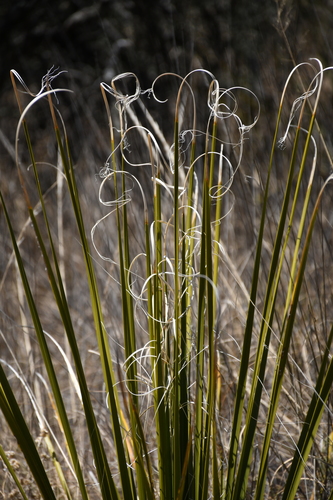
(205,395)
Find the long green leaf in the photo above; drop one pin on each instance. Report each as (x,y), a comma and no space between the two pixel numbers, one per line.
(46,356)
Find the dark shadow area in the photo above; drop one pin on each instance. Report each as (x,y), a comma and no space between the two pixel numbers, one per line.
(242,43)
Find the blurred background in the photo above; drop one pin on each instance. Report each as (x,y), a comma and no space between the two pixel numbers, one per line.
(235,39)
(240,42)
(253,44)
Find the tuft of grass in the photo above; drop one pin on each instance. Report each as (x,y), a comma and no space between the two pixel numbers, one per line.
(210,390)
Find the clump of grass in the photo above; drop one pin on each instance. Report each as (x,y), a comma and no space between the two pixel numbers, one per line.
(198,373)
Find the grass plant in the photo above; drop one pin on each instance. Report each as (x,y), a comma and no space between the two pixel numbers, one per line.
(213,385)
